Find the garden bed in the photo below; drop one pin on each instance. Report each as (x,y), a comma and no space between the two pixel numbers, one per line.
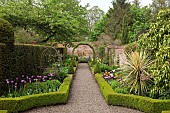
(26,102)
(144,104)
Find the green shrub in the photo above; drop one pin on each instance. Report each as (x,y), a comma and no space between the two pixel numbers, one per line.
(105,88)
(115,84)
(145,104)
(97,68)
(71,69)
(83,60)
(131,47)
(104,67)
(26,102)
(74,63)
(157,42)
(6,32)
(63,73)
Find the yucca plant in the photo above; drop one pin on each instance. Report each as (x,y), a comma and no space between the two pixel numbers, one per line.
(138,75)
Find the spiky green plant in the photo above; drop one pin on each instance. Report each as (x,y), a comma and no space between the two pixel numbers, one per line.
(138,75)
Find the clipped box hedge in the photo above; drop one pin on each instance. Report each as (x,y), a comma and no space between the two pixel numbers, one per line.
(26,102)
(3,111)
(165,111)
(144,104)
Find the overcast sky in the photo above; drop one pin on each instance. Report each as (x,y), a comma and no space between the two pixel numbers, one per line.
(105,4)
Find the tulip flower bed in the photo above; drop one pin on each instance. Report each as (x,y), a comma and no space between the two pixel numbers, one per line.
(36,100)
(26,85)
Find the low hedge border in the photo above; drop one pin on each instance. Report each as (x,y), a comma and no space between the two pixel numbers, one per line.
(26,102)
(165,111)
(144,104)
(3,111)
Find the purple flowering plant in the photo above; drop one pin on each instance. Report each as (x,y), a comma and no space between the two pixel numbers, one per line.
(26,85)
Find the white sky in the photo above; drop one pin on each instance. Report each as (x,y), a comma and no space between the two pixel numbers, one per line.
(105,4)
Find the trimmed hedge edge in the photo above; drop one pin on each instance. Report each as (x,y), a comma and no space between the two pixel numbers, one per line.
(26,102)
(144,104)
(166,111)
(3,111)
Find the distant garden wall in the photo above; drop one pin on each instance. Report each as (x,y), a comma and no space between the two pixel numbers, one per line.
(18,60)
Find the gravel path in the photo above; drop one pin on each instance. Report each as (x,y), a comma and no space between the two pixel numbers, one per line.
(85,97)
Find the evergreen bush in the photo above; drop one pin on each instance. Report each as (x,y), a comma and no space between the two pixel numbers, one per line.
(6,32)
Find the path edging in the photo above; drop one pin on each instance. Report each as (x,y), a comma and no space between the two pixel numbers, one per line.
(145,104)
(37,100)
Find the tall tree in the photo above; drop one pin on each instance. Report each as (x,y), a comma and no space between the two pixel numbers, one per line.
(159,5)
(60,20)
(116,17)
(93,15)
(140,19)
(136,2)
(98,28)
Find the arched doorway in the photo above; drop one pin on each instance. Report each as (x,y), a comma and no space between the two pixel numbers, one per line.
(94,55)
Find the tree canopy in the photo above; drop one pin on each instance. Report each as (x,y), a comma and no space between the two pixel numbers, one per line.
(60,20)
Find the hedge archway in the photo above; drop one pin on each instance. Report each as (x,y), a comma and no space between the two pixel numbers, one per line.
(94,54)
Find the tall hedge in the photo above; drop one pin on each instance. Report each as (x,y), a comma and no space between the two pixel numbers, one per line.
(21,59)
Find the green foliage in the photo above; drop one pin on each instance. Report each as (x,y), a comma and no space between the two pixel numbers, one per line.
(71,69)
(27,102)
(115,84)
(118,19)
(102,53)
(24,59)
(137,66)
(98,29)
(157,42)
(63,73)
(93,15)
(127,21)
(132,47)
(118,87)
(158,5)
(37,87)
(144,104)
(53,20)
(141,17)
(105,88)
(26,36)
(6,32)
(100,67)
(97,68)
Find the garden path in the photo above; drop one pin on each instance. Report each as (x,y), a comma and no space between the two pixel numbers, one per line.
(85,97)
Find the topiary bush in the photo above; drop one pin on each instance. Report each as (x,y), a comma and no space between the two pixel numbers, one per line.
(6,32)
